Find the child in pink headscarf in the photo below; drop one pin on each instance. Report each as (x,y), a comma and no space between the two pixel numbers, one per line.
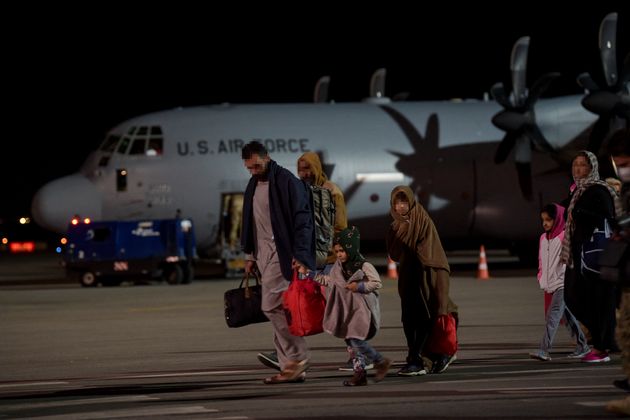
(551,280)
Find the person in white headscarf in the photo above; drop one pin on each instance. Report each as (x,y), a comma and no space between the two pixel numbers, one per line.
(593,205)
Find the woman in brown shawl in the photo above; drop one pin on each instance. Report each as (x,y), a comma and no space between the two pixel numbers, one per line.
(423,278)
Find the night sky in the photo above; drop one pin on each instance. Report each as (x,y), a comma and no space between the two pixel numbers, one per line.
(68,80)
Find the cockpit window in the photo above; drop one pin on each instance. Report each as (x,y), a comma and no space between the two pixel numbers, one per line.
(110,143)
(143,140)
(137,147)
(123,145)
(155,146)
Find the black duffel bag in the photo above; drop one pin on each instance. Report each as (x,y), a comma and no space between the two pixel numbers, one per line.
(242,305)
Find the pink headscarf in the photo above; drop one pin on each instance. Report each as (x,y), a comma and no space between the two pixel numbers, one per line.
(558,222)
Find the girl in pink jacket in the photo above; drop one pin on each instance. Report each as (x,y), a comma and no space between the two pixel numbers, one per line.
(551,280)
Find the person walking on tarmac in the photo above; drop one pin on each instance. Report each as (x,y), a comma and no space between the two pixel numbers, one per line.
(309,170)
(551,280)
(423,279)
(277,237)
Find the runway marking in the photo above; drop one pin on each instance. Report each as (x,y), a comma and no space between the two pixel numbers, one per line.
(136,412)
(172,375)
(593,403)
(11,385)
(50,404)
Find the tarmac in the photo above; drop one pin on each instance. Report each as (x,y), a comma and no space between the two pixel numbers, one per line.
(160,351)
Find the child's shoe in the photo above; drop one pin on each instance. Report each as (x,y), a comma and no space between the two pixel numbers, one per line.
(358,379)
(579,353)
(540,355)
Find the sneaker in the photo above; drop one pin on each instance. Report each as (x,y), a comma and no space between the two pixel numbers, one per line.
(594,357)
(349,366)
(412,370)
(269,359)
(578,354)
(442,363)
(540,355)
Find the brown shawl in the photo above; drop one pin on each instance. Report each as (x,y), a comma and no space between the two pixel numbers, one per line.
(417,231)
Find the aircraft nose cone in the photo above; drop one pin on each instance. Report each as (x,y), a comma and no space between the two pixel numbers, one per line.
(57,202)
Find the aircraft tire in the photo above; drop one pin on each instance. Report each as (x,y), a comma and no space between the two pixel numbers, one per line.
(173,274)
(188,274)
(88,279)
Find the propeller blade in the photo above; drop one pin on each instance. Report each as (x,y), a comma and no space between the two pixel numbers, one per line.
(539,87)
(586,81)
(498,93)
(524,171)
(601,102)
(608,48)
(321,90)
(511,120)
(518,65)
(504,147)
(538,140)
(522,149)
(377,84)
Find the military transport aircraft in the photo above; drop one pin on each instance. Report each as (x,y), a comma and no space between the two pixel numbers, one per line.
(188,160)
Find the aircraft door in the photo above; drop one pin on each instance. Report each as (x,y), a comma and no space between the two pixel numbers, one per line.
(230,233)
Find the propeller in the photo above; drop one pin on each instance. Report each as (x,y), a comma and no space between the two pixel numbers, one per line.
(611,102)
(320,95)
(518,119)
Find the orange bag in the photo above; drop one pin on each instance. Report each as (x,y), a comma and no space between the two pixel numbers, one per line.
(304,306)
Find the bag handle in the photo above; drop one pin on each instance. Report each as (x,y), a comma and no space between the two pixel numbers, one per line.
(245,280)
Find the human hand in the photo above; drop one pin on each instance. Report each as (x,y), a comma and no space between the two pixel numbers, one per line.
(249,266)
(353,287)
(301,268)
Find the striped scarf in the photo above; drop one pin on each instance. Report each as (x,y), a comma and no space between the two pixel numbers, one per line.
(582,185)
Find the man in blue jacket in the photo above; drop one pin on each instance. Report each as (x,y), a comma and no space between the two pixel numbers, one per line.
(277,237)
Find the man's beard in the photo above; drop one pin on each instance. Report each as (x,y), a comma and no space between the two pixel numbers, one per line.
(262,177)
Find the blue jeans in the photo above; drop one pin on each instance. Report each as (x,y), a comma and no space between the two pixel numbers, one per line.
(558,309)
(360,349)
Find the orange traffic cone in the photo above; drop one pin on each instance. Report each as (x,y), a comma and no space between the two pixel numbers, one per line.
(392,272)
(482,272)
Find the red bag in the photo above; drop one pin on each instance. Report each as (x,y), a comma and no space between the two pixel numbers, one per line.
(443,339)
(304,306)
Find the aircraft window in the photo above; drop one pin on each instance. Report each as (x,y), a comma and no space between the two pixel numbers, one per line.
(103,161)
(156,130)
(155,146)
(131,130)
(121,180)
(137,147)
(123,145)
(110,143)
(142,131)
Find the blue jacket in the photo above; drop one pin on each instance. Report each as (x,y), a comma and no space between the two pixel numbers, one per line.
(291,219)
